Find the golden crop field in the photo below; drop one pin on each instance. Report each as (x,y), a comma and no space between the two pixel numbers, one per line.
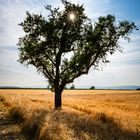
(85,115)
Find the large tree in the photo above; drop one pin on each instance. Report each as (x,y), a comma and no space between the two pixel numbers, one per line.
(66,44)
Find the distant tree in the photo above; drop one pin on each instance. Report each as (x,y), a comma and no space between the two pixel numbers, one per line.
(92,87)
(66,44)
(48,87)
(72,87)
(138,89)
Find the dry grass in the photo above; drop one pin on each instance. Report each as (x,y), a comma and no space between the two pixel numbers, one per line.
(2,99)
(16,114)
(86,115)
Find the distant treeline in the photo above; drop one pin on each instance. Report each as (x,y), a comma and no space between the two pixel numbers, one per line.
(66,88)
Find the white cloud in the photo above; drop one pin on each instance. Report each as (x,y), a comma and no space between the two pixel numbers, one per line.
(123,69)
(13,73)
(12,12)
(112,75)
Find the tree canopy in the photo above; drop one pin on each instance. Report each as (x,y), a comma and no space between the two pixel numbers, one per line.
(66,44)
(92,87)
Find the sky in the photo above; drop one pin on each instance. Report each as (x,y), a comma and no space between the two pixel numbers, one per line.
(123,69)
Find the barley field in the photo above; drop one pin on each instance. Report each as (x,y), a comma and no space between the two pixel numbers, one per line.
(85,115)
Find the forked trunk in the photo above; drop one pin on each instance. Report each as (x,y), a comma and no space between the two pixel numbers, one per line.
(58,100)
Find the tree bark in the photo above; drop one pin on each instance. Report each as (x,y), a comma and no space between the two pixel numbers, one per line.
(58,99)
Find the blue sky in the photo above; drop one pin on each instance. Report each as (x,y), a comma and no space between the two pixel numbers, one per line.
(124,68)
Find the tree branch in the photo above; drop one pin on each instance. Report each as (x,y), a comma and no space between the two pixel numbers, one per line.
(46,70)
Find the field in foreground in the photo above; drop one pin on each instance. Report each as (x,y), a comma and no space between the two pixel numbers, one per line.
(86,115)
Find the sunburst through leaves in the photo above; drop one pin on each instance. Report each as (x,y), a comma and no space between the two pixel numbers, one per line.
(72,17)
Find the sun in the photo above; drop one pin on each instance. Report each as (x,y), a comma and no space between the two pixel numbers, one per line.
(72,16)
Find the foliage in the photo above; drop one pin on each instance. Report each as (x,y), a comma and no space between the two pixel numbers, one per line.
(62,49)
(92,87)
(72,87)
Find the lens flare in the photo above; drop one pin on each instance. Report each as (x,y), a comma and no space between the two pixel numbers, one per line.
(72,16)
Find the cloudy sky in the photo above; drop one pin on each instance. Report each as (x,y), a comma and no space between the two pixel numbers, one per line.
(124,68)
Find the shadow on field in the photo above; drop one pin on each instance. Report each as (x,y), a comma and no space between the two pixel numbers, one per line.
(32,125)
(7,129)
(19,125)
(99,127)
(64,125)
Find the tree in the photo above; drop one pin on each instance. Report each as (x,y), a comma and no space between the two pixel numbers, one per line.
(92,87)
(72,87)
(66,44)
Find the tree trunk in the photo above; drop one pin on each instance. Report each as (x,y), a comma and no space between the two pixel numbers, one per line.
(58,100)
